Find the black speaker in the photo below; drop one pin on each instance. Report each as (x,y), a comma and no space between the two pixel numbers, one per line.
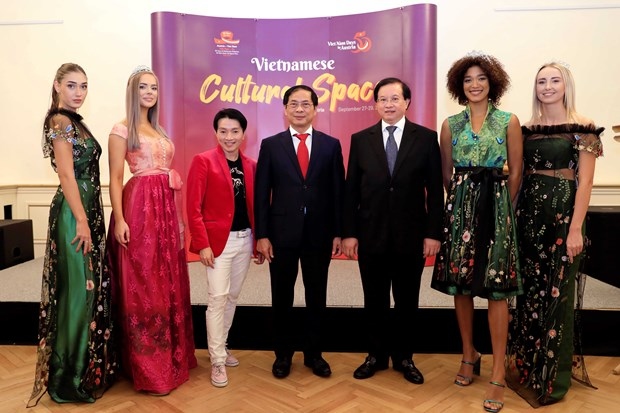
(602,231)
(16,245)
(8,212)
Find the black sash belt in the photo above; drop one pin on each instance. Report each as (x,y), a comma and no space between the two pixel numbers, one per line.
(484,231)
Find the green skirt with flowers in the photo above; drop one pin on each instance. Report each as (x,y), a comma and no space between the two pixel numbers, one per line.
(478,255)
(544,348)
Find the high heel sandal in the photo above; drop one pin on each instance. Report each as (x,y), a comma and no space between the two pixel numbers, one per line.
(499,404)
(466,381)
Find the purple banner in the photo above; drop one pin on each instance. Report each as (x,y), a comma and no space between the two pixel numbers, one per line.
(208,63)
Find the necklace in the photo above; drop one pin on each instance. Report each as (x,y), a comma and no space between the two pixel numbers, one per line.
(476,135)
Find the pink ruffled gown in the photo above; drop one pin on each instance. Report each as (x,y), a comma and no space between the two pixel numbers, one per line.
(150,278)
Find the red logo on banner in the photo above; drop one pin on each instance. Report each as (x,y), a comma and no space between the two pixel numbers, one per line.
(364,44)
(226,37)
(226,45)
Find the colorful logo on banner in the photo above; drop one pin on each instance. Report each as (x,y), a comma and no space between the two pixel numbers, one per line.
(360,43)
(226,45)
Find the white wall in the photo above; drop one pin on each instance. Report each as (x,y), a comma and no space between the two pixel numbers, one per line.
(109,38)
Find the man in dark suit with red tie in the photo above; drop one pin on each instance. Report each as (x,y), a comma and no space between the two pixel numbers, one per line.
(392,221)
(298,190)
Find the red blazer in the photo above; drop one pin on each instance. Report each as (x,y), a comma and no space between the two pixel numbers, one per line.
(210,199)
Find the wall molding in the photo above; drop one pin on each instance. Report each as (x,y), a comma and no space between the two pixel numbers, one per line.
(32,202)
(605,196)
(28,22)
(534,5)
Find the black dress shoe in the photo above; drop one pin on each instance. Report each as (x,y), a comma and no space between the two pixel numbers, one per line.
(410,371)
(281,367)
(369,367)
(319,366)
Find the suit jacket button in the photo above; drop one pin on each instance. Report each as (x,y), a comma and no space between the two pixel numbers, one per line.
(391,189)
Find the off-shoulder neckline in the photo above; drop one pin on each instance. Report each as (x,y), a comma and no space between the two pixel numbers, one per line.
(563,128)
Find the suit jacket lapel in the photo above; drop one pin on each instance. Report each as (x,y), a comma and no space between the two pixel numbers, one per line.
(223,162)
(249,185)
(286,140)
(315,152)
(406,145)
(376,143)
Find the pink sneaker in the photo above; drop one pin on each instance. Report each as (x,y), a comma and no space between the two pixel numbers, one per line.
(218,375)
(231,361)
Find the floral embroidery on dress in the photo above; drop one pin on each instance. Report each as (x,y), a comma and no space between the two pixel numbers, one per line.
(99,372)
(545,335)
(589,142)
(63,124)
(478,160)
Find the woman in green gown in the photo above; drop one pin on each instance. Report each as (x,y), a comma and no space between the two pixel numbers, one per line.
(76,359)
(560,149)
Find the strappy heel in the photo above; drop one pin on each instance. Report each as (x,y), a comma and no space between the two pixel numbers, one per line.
(466,381)
(499,405)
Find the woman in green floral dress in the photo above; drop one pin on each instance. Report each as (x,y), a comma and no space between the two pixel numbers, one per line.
(478,256)
(76,359)
(560,151)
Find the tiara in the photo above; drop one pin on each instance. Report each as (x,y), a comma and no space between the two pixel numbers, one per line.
(140,69)
(561,63)
(478,53)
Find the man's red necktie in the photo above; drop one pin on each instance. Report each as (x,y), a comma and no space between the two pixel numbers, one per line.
(302,153)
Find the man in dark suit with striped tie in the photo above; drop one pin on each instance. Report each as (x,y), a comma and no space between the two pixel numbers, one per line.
(298,190)
(392,221)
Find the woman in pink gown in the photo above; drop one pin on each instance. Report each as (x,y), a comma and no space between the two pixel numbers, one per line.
(146,252)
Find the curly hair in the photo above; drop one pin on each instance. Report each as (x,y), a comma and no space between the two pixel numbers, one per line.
(499,81)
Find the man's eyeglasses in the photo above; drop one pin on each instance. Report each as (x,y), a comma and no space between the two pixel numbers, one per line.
(303,105)
(394,100)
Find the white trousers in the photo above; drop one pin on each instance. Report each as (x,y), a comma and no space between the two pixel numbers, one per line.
(224,282)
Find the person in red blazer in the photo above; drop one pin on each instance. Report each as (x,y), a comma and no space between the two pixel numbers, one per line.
(220,213)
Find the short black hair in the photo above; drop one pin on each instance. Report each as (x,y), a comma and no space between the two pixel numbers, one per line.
(389,81)
(230,113)
(313,95)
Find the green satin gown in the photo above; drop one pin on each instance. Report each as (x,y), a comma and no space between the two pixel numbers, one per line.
(76,360)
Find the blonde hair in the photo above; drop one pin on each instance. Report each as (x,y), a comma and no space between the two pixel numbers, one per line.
(569,94)
(63,71)
(132,106)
